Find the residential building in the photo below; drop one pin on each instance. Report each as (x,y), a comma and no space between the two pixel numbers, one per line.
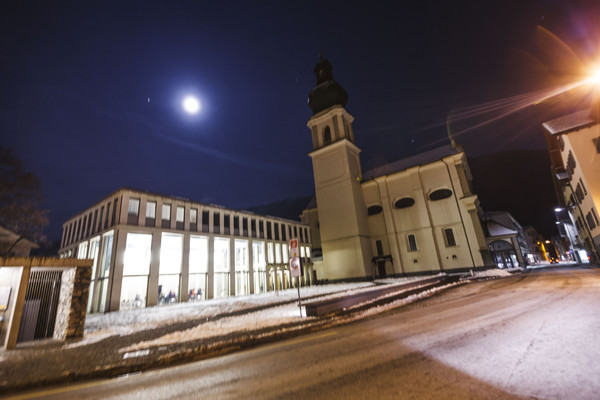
(13,246)
(414,216)
(533,239)
(574,144)
(506,240)
(152,249)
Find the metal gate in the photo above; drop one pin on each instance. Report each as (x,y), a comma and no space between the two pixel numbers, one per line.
(41,304)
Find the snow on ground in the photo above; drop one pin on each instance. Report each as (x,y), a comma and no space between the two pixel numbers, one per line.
(247,322)
(100,326)
(271,317)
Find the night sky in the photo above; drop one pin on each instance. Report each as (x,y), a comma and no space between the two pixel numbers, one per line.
(90,92)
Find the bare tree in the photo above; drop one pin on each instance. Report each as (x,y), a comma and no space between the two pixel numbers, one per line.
(20,199)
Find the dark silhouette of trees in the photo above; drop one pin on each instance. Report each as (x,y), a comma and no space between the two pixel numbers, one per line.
(20,200)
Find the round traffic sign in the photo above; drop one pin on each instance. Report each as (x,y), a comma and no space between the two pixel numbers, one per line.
(295,263)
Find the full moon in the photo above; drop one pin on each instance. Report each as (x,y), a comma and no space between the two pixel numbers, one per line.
(191,104)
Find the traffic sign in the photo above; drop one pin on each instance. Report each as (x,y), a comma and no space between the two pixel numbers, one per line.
(295,267)
(294,248)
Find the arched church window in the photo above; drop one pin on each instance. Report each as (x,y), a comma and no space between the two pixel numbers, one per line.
(327,135)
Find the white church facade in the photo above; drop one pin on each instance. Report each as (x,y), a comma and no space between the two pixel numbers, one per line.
(414,216)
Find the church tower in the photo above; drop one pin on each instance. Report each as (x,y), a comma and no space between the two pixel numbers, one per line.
(337,171)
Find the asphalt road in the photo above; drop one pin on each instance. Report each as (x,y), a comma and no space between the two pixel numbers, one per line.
(535,335)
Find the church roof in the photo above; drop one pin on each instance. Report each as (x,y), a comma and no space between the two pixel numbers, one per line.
(413,161)
(328,92)
(571,122)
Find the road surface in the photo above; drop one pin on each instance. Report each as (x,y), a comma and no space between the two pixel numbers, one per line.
(534,335)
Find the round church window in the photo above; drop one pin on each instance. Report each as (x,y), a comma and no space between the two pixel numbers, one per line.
(404,202)
(373,210)
(440,194)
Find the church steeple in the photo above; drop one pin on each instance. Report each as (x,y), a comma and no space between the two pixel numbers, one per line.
(341,208)
(328,92)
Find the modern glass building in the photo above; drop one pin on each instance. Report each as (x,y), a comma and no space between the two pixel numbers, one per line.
(150,249)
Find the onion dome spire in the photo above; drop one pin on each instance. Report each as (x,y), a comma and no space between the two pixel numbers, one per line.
(328,92)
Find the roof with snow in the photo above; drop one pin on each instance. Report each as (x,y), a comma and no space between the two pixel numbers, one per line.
(571,122)
(416,160)
(495,229)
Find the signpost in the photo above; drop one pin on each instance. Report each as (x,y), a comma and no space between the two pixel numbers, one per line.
(295,270)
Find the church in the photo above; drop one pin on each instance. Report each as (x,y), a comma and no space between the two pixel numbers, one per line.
(414,216)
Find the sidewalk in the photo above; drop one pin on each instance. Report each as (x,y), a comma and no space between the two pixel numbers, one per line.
(129,341)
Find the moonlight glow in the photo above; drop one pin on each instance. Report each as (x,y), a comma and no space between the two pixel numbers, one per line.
(191,104)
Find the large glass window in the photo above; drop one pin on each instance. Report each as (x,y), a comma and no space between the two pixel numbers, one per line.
(226,224)
(151,209)
(150,213)
(179,217)
(193,219)
(216,223)
(136,260)
(171,254)
(284,251)
(277,253)
(93,254)
(242,268)
(270,253)
(136,266)
(166,216)
(134,207)
(197,283)
(205,217)
(221,263)
(133,211)
(259,266)
(82,250)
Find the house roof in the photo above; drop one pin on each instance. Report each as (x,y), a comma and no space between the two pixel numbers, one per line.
(571,122)
(495,229)
(419,159)
(7,234)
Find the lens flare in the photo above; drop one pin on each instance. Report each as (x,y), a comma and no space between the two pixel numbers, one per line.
(595,76)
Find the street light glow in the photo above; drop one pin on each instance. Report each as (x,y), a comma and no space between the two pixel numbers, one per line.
(594,76)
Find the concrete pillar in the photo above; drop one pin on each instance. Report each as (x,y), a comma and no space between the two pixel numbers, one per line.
(185,268)
(515,244)
(152,295)
(210,278)
(116,274)
(251,263)
(15,321)
(390,226)
(232,287)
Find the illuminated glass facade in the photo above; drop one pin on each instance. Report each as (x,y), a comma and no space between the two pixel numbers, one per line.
(151,250)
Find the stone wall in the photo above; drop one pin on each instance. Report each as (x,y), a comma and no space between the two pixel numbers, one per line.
(71,311)
(72,304)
